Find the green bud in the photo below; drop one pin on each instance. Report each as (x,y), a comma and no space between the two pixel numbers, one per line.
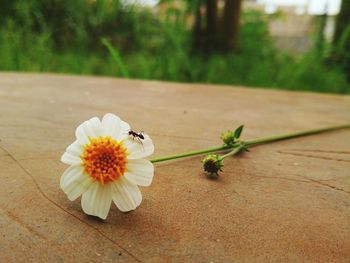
(212,164)
(228,138)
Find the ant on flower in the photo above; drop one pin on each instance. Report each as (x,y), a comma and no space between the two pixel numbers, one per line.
(137,135)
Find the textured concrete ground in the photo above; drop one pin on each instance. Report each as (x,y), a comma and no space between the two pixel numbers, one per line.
(284,202)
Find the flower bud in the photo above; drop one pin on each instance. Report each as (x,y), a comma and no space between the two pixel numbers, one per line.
(228,138)
(212,164)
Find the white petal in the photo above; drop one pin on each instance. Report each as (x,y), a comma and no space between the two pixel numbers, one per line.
(97,200)
(126,196)
(139,149)
(90,128)
(72,154)
(140,172)
(74,182)
(113,126)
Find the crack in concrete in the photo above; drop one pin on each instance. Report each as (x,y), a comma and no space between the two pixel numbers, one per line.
(32,230)
(314,156)
(37,158)
(320,151)
(29,228)
(281,178)
(43,194)
(307,180)
(324,184)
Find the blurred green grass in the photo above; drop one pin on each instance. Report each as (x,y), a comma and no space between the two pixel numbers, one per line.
(106,38)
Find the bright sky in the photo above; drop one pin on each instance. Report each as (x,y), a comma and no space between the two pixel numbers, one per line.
(314,7)
(141,2)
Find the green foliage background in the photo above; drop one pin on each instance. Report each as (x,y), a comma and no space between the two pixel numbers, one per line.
(104,37)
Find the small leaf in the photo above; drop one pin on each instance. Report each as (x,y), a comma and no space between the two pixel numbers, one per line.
(238,131)
(116,57)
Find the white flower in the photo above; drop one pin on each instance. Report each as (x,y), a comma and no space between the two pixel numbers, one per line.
(106,164)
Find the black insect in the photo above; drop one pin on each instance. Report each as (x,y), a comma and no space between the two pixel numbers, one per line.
(137,135)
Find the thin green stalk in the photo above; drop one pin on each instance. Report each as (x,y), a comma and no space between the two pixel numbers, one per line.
(285,136)
(181,155)
(249,143)
(233,152)
(116,57)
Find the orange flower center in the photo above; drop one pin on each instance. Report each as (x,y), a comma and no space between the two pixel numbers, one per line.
(104,159)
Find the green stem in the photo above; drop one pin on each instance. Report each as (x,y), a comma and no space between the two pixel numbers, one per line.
(285,136)
(233,152)
(249,143)
(181,155)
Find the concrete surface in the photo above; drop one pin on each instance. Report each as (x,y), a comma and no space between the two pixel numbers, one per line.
(284,202)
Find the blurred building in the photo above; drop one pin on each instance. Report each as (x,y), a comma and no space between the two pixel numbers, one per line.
(294,24)
(300,7)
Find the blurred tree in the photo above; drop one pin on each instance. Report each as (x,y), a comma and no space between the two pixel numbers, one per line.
(341,39)
(218,33)
(212,24)
(231,22)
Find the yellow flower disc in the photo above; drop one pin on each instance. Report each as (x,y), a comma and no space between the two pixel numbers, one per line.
(104,159)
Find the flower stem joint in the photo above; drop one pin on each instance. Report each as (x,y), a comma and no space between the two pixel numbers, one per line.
(212,164)
(230,137)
